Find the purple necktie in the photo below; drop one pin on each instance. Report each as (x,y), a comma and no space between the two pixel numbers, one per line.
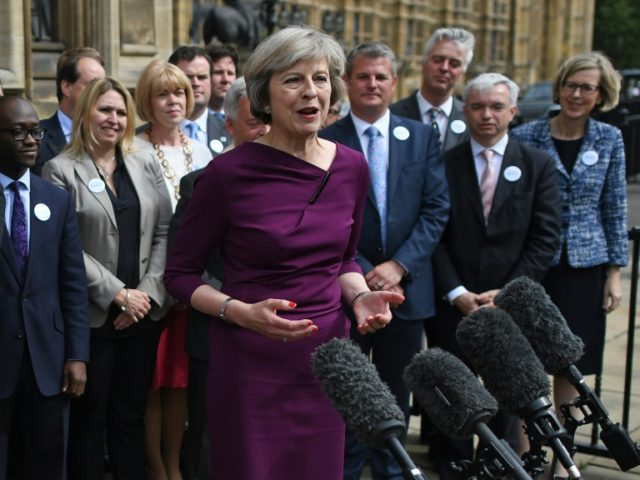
(19,227)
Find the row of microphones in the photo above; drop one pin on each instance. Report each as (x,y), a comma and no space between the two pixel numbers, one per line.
(559,349)
(512,372)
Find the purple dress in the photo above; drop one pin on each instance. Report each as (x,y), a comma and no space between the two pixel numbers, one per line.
(268,417)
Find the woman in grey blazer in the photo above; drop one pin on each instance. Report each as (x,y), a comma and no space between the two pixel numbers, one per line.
(124,211)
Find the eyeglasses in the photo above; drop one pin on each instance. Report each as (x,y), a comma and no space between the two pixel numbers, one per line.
(585,88)
(19,133)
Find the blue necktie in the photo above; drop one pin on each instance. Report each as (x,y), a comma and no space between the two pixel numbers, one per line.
(433,116)
(192,129)
(378,172)
(19,228)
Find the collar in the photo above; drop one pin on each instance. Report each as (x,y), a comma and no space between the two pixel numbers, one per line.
(201,121)
(382,124)
(25,179)
(498,147)
(425,106)
(66,124)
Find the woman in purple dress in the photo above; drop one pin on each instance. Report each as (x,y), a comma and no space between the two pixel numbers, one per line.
(286,212)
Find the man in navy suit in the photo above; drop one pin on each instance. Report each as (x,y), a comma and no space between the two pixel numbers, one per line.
(75,69)
(44,332)
(404,217)
(203,125)
(504,223)
(448,53)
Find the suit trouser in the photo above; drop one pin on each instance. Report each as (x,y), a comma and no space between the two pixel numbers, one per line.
(119,377)
(36,427)
(392,349)
(194,457)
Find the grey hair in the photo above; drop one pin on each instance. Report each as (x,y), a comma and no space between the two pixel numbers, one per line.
(487,81)
(464,39)
(284,49)
(232,98)
(372,50)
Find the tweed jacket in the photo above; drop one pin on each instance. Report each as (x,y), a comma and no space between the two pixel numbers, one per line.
(594,196)
(99,232)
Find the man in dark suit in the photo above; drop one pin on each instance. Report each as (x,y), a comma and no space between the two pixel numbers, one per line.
(44,332)
(446,58)
(203,125)
(75,69)
(404,218)
(504,223)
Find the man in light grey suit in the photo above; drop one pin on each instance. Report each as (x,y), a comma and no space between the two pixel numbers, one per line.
(447,56)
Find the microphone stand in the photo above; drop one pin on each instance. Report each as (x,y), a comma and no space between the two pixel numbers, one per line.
(544,428)
(624,450)
(387,435)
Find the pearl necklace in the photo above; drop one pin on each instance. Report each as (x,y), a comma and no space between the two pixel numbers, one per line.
(169,172)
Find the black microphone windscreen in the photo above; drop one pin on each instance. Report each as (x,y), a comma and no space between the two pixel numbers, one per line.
(449,392)
(354,387)
(503,357)
(542,323)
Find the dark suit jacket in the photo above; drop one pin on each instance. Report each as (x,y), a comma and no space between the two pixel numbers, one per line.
(52,144)
(49,307)
(408,107)
(197,336)
(417,210)
(523,231)
(2,207)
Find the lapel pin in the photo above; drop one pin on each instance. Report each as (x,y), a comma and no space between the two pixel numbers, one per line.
(42,212)
(401,133)
(458,127)
(216,145)
(96,185)
(589,158)
(512,174)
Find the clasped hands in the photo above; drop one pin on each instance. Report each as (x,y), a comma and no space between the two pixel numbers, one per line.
(469,302)
(135,305)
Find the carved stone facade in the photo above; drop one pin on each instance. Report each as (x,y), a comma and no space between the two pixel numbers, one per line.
(525,39)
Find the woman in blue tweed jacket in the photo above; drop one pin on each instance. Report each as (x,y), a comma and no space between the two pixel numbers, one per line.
(585,280)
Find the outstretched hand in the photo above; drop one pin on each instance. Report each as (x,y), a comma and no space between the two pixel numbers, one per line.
(372,311)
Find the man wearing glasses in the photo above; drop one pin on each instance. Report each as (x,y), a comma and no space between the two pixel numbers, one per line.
(44,332)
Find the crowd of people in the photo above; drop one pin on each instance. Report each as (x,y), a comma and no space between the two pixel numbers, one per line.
(161,306)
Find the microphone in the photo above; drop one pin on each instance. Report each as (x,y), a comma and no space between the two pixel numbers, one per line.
(458,405)
(365,403)
(514,375)
(558,348)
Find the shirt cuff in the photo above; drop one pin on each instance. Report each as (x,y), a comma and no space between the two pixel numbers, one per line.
(455,293)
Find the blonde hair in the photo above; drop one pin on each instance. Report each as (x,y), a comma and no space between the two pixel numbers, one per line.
(156,77)
(82,137)
(609,79)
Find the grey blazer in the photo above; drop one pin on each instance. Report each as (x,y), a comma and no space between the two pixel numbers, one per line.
(99,231)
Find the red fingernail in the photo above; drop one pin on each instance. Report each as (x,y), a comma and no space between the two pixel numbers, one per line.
(292,304)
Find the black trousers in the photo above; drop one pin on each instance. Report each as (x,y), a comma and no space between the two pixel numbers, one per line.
(114,403)
(33,428)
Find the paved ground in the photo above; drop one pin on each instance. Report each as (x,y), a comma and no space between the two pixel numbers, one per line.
(592,467)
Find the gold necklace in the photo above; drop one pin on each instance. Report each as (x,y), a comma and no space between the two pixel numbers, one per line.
(169,172)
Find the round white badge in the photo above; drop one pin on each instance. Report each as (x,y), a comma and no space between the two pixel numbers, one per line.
(216,145)
(96,185)
(590,158)
(401,133)
(458,127)
(512,174)
(42,212)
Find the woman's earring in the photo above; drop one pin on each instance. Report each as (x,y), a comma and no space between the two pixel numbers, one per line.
(267,109)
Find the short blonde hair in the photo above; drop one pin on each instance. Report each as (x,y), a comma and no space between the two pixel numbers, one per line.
(609,79)
(283,49)
(156,77)
(82,137)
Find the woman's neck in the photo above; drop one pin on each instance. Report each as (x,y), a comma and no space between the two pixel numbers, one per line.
(565,128)
(162,135)
(103,155)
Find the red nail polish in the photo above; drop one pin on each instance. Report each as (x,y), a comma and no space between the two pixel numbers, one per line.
(292,304)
